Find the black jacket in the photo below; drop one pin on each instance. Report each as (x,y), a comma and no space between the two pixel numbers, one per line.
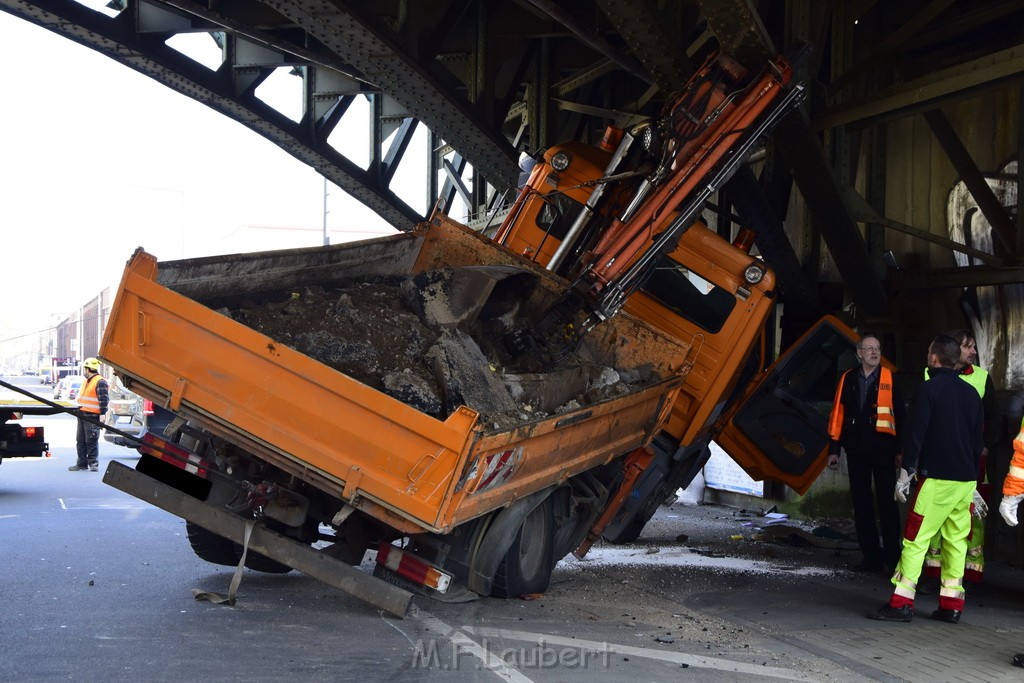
(945,427)
(859,433)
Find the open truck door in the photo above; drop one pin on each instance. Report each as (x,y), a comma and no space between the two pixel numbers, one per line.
(779,430)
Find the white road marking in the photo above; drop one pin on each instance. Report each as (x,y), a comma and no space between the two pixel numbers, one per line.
(693,661)
(466,645)
(103,504)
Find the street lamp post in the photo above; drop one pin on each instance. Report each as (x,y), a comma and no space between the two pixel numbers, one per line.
(327,240)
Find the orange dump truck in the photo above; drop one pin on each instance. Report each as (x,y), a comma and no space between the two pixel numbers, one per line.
(568,378)
(268,433)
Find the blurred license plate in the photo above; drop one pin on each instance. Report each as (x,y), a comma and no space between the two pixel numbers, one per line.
(123,419)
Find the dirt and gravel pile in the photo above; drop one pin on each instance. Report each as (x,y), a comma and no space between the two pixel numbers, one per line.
(408,338)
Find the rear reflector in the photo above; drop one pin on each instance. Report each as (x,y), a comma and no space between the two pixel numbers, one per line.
(413,568)
(173,454)
(30,432)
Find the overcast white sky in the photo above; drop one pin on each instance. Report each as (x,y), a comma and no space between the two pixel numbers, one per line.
(98,159)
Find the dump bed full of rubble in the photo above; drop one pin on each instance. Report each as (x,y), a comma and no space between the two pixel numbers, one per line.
(400,336)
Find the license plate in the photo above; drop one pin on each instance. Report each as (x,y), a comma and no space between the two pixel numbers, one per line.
(122,419)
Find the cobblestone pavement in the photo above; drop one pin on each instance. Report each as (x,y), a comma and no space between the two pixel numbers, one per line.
(804,605)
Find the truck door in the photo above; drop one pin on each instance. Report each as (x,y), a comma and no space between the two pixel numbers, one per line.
(779,430)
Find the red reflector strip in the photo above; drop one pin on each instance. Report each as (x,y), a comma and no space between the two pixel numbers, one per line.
(413,568)
(30,432)
(173,454)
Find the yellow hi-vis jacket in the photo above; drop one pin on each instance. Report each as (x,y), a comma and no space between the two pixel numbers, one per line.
(87,398)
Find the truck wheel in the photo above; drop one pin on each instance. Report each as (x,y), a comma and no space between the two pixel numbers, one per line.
(628,533)
(262,563)
(526,567)
(209,546)
(219,550)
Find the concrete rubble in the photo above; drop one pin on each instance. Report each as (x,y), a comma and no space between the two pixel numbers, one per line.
(436,341)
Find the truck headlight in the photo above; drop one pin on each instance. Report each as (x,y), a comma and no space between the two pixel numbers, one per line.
(754,273)
(560,161)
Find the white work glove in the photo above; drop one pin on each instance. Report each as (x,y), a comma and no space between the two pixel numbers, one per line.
(1008,508)
(903,485)
(980,508)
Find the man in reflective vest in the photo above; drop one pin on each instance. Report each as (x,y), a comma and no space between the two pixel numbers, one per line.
(866,412)
(981,380)
(1013,494)
(92,403)
(942,442)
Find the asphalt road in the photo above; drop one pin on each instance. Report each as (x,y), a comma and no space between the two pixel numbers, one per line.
(98,586)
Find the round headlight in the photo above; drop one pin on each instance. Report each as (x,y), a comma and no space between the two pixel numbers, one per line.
(649,138)
(753,274)
(560,161)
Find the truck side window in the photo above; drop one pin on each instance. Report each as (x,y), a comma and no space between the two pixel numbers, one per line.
(558,214)
(813,371)
(786,418)
(689,295)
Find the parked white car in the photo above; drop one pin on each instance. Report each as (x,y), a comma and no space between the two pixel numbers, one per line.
(68,387)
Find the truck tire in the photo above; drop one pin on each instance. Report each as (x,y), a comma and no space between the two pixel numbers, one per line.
(219,550)
(526,567)
(211,547)
(630,532)
(262,563)
(680,475)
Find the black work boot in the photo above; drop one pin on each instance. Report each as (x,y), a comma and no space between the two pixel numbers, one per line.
(888,613)
(950,616)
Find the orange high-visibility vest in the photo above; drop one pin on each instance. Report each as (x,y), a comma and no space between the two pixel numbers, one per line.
(885,420)
(87,399)
(1013,485)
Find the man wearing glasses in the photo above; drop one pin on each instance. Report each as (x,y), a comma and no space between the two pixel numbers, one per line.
(866,412)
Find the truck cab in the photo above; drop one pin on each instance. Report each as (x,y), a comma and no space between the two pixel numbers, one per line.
(706,291)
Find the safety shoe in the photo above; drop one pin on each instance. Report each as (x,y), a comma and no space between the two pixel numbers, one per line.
(94,468)
(888,613)
(950,616)
(77,468)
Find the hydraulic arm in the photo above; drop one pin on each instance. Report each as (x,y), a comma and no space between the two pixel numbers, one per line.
(721,116)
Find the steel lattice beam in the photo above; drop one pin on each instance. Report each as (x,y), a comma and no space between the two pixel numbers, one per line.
(147,54)
(385,65)
(740,31)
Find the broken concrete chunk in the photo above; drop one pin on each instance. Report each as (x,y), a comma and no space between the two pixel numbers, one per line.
(447,298)
(415,391)
(466,374)
(434,341)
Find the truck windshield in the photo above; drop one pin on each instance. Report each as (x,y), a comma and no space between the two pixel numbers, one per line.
(558,214)
(689,295)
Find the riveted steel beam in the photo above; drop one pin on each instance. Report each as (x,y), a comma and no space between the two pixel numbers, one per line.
(637,22)
(386,66)
(929,91)
(146,53)
(742,34)
(965,276)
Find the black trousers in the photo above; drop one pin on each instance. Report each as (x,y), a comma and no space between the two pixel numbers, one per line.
(878,467)
(88,443)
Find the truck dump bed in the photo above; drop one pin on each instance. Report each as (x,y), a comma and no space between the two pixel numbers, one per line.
(173,335)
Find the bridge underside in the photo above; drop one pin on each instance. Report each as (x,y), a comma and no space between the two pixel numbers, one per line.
(486,80)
